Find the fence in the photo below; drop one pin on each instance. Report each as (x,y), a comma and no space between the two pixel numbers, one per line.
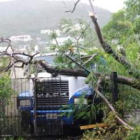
(16,118)
(10,117)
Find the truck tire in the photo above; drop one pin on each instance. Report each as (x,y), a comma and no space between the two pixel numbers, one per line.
(26,124)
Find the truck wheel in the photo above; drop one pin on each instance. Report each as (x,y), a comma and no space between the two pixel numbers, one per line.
(26,125)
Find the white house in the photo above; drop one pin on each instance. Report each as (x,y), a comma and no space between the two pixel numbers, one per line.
(62,40)
(23,48)
(2,49)
(24,38)
(75,27)
(49,32)
(36,48)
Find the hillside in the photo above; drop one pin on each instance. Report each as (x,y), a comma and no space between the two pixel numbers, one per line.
(31,16)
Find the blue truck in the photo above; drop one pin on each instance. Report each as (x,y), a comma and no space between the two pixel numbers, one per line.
(48,110)
(47,107)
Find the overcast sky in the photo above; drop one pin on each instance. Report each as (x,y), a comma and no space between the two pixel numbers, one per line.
(5,0)
(111,5)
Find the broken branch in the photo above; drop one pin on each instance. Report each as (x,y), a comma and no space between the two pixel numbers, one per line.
(107,48)
(93,56)
(110,105)
(75,5)
(69,72)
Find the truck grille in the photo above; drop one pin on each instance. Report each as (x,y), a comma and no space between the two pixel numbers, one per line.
(52,92)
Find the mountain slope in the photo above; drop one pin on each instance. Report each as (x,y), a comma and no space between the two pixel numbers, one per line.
(31,16)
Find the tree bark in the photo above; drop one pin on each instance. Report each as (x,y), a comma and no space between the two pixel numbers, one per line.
(69,72)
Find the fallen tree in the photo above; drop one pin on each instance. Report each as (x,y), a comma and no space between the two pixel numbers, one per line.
(16,57)
(133,82)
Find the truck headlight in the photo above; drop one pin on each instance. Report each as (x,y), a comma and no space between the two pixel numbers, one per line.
(80,101)
(52,116)
(25,103)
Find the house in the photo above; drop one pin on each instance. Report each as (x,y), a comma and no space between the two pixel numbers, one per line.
(62,40)
(23,38)
(23,48)
(36,49)
(2,48)
(49,32)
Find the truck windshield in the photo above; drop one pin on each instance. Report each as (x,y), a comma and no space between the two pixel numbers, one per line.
(48,59)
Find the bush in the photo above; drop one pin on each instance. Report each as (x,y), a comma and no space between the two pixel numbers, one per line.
(135,134)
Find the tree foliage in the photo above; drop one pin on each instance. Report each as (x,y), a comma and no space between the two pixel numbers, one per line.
(5,87)
(123,32)
(81,40)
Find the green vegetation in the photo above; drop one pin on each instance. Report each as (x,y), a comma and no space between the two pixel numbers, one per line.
(6,93)
(5,87)
(122,32)
(82,41)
